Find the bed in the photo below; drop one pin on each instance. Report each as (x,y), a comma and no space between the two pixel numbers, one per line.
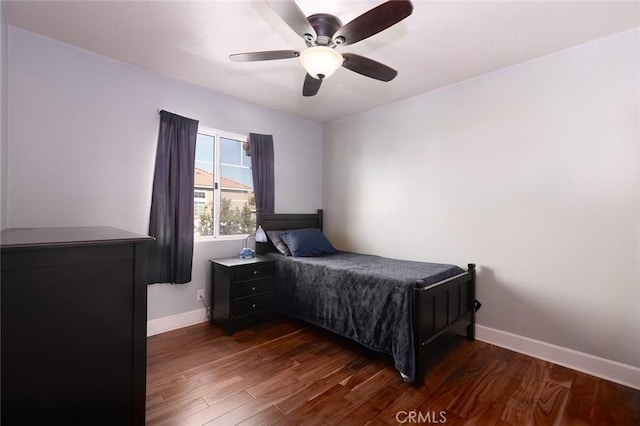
(392,306)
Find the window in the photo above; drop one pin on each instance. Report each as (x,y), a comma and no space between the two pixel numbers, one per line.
(200,202)
(223,195)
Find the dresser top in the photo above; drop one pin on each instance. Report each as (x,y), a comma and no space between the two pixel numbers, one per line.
(71,236)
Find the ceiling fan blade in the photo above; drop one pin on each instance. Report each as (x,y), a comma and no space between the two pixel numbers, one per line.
(372,22)
(294,17)
(311,86)
(368,67)
(268,55)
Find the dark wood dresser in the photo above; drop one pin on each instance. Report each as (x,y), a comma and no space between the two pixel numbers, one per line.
(241,291)
(73,323)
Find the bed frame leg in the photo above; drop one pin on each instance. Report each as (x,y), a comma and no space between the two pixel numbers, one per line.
(471,328)
(471,333)
(418,380)
(420,372)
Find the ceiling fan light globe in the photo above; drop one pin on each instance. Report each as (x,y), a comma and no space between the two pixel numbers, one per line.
(321,61)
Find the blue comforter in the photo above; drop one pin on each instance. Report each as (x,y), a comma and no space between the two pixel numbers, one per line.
(366,298)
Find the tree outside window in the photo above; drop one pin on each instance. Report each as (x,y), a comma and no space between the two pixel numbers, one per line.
(223,193)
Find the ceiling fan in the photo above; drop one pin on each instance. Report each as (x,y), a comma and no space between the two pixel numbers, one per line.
(323,32)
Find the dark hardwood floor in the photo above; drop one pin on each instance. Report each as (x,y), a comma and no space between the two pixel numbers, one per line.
(285,372)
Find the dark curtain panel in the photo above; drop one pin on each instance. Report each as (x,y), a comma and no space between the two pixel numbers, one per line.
(171,219)
(261,148)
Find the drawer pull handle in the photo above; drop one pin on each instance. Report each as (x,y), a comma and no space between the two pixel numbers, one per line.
(253,306)
(253,289)
(255,272)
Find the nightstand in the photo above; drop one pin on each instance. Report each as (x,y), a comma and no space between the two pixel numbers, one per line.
(241,291)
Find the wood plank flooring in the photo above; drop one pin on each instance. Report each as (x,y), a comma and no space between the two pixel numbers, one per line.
(286,372)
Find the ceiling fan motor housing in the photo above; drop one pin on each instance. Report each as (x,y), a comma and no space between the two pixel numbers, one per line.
(325,26)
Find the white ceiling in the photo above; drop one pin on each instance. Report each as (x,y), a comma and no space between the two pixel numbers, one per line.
(441,43)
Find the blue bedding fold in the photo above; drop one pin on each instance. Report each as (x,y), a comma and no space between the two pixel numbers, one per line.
(363,297)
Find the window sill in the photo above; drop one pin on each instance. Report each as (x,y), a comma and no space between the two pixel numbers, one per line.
(221,238)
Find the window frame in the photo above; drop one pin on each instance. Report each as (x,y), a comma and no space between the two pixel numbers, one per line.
(217,186)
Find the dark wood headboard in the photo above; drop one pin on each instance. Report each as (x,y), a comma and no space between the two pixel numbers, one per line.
(282,221)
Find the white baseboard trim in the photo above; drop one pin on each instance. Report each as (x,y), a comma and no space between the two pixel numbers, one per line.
(173,322)
(606,369)
(600,367)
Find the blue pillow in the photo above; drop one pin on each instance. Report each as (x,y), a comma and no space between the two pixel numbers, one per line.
(307,242)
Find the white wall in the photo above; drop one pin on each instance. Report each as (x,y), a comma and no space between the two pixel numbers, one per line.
(4,146)
(532,172)
(83,134)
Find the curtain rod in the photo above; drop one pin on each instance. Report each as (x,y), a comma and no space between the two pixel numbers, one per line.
(173,113)
(160,110)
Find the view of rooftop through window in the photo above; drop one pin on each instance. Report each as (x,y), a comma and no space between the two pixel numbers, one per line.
(223,192)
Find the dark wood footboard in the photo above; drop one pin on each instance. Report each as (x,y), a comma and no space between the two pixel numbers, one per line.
(445,307)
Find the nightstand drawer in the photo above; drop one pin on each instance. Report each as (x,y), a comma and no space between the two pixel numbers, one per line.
(254,271)
(252,288)
(251,306)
